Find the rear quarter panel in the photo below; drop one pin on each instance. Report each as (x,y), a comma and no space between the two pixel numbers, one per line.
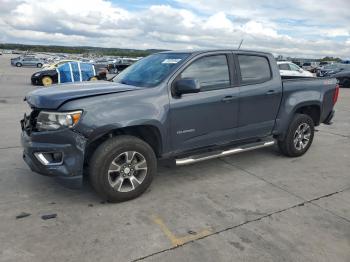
(298,93)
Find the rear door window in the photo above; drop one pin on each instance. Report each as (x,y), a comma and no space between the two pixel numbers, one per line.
(254,69)
(211,71)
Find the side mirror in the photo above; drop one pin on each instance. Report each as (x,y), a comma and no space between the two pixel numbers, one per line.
(186,86)
(301,70)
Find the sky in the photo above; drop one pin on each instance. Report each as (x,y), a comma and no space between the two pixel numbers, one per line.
(298,28)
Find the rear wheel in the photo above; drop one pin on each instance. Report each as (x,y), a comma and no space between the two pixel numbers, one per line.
(46,81)
(122,168)
(299,136)
(94,78)
(39,65)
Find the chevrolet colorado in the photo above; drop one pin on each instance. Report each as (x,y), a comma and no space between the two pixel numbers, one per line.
(186,106)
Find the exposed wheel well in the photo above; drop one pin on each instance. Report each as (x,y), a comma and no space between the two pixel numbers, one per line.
(313,111)
(147,133)
(46,76)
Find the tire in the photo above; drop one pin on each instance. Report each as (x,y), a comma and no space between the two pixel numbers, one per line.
(39,65)
(46,81)
(18,64)
(94,78)
(299,136)
(110,157)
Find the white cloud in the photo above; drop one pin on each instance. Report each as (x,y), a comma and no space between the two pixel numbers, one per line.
(335,32)
(258,29)
(302,28)
(219,21)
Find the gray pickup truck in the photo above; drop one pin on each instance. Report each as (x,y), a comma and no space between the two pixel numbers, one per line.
(183,106)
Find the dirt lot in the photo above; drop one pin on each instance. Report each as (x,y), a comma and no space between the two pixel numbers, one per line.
(256,206)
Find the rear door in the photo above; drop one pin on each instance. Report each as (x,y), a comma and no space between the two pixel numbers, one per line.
(260,93)
(209,117)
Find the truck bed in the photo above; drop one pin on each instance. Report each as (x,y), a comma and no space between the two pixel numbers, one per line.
(314,89)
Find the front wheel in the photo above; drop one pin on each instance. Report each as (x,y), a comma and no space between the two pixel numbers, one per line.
(299,136)
(18,64)
(46,81)
(122,168)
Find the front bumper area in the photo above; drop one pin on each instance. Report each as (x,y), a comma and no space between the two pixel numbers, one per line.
(36,80)
(67,142)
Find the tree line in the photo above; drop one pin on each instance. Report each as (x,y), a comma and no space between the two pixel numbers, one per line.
(79,50)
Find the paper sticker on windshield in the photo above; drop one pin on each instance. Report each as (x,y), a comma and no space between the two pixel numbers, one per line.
(171,61)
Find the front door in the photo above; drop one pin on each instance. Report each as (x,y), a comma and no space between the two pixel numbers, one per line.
(210,116)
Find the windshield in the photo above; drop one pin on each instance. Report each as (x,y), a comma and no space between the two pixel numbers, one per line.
(151,70)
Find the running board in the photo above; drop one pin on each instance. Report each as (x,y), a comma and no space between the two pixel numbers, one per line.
(235,150)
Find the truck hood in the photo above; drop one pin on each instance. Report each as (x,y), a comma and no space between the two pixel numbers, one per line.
(54,96)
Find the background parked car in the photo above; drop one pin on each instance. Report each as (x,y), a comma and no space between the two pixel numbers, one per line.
(27,61)
(103,62)
(310,66)
(323,63)
(68,72)
(330,70)
(116,68)
(289,69)
(343,78)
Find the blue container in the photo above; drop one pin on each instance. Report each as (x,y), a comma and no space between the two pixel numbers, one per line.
(75,72)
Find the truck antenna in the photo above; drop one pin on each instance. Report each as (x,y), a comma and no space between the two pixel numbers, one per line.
(240,44)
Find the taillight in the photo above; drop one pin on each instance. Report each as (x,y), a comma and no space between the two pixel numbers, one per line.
(336,94)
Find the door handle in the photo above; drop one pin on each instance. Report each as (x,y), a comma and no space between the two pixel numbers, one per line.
(227,99)
(270,92)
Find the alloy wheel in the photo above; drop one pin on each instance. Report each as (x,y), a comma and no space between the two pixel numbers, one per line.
(127,171)
(302,136)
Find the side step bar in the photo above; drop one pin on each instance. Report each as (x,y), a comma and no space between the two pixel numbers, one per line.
(235,150)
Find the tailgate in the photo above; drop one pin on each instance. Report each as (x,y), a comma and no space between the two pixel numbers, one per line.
(330,96)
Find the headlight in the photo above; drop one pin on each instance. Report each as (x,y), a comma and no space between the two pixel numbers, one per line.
(57,120)
(37,74)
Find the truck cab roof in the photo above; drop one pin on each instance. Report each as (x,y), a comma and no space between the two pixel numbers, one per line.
(200,51)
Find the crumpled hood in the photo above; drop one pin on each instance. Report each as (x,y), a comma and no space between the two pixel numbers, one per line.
(54,96)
